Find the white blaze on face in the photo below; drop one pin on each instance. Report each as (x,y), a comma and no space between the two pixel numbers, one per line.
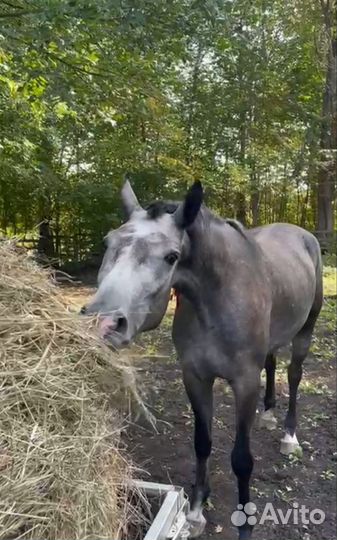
(136,284)
(123,286)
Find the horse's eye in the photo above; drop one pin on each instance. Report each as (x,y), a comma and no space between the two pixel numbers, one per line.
(171,258)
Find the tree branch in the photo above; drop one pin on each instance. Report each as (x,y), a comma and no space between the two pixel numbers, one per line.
(76,67)
(13,14)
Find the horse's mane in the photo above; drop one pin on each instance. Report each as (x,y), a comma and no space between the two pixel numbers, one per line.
(157,208)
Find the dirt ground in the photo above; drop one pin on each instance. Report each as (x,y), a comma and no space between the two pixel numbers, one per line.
(167,455)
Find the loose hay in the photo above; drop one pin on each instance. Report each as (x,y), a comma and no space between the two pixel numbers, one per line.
(62,475)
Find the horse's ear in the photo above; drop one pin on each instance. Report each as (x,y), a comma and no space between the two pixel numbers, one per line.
(129,199)
(188,210)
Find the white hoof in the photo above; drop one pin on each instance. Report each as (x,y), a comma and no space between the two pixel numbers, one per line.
(290,445)
(268,420)
(197,523)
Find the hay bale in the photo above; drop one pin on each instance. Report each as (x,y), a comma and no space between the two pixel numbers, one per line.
(62,475)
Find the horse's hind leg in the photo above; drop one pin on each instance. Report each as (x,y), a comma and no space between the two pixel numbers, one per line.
(267,419)
(200,393)
(300,349)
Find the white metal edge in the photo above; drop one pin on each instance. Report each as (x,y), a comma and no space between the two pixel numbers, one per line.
(164,519)
(180,528)
(153,488)
(165,524)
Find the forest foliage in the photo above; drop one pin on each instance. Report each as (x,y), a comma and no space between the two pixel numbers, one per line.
(238,93)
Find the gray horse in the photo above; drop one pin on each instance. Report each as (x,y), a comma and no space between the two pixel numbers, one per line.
(243,294)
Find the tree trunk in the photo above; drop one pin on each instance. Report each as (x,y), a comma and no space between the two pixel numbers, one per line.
(241,208)
(303,221)
(255,206)
(57,226)
(328,140)
(254,197)
(45,245)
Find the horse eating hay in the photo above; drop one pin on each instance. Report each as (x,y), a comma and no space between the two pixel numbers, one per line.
(243,294)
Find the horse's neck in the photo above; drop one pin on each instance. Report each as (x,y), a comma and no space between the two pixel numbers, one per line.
(199,276)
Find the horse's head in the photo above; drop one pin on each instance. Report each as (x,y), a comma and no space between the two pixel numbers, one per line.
(136,274)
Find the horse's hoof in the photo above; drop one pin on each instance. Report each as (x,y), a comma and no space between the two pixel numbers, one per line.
(197,523)
(268,420)
(290,445)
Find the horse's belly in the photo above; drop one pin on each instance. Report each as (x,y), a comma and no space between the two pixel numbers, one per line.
(283,334)
(289,313)
(292,268)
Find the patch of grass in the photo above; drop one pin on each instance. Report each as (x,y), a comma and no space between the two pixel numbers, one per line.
(328,475)
(285,495)
(283,361)
(323,349)
(327,317)
(314,420)
(330,259)
(330,280)
(168,320)
(296,457)
(315,388)
(320,416)
(259,492)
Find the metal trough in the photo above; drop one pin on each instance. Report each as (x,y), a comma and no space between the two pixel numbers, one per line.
(170,522)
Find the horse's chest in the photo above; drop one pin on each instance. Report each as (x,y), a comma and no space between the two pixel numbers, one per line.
(212,350)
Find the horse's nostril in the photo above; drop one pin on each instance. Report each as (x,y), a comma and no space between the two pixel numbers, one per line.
(110,326)
(83,310)
(121,324)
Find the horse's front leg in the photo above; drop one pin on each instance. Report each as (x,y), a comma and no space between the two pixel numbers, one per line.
(246,390)
(200,393)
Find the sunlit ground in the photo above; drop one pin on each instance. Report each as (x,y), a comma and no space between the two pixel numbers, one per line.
(330,280)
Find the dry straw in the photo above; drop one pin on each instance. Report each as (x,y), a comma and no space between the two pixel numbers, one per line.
(62,475)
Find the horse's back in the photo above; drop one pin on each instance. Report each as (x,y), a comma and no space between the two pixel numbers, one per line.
(293,261)
(289,238)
